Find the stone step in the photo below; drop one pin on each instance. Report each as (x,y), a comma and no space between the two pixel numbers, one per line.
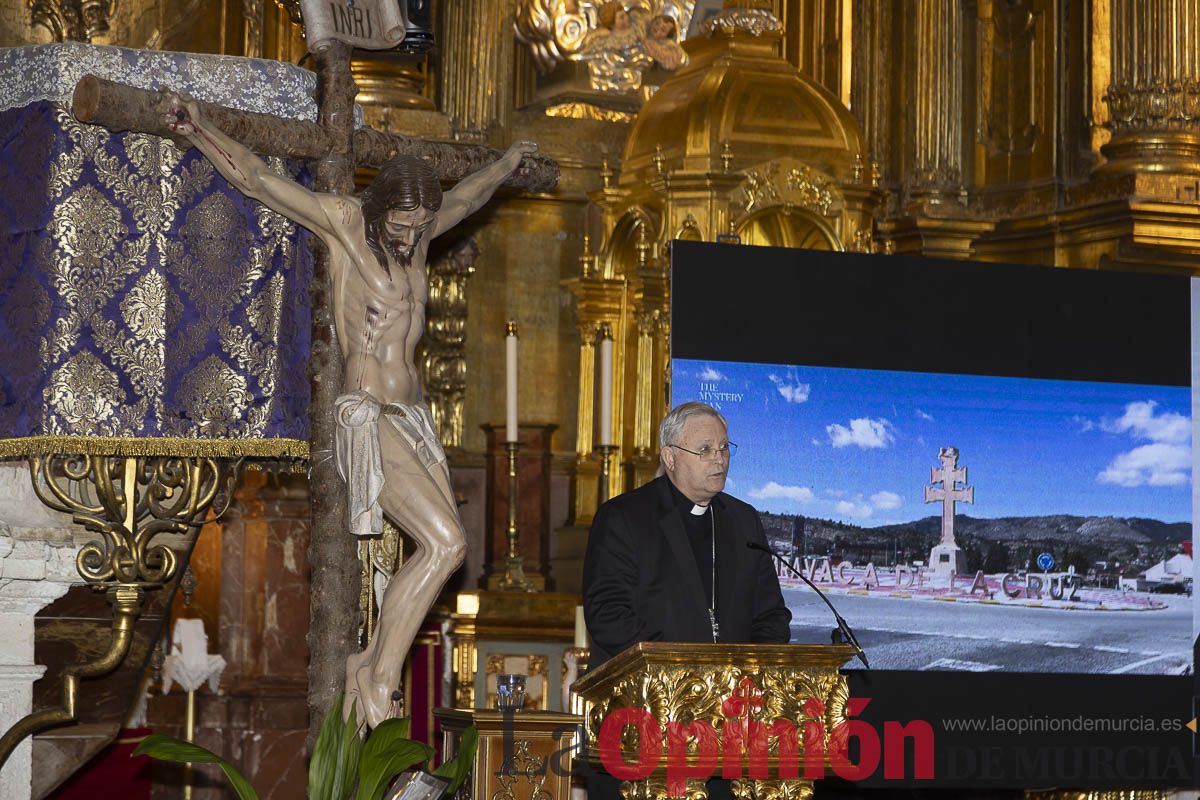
(58,754)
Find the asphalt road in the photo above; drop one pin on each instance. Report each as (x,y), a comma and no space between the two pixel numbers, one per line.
(928,635)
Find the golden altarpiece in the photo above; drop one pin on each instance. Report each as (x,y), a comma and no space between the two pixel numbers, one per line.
(1052,132)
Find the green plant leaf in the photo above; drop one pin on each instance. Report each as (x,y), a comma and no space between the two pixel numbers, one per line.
(389,730)
(322,768)
(347,764)
(457,768)
(168,748)
(385,755)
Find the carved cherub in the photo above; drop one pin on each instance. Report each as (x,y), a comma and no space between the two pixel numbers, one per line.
(662,42)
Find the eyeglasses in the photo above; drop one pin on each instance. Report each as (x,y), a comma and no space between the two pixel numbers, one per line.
(708,453)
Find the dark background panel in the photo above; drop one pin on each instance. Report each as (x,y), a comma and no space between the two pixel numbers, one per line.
(774,305)
(1128,754)
(817,308)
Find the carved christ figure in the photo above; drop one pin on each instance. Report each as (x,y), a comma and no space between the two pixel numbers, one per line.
(387,448)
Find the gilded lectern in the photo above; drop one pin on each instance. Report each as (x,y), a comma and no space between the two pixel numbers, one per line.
(663,717)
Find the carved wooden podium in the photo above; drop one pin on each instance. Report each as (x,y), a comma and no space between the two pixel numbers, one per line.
(738,690)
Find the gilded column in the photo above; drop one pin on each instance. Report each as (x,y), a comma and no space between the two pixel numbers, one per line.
(647,320)
(644,319)
(587,390)
(476,48)
(936,95)
(1154,94)
(817,39)
(443,348)
(872,84)
(649,295)
(598,300)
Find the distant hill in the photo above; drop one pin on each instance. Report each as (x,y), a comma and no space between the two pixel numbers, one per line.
(1062,527)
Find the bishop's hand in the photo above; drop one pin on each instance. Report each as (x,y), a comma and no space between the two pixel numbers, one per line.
(179,112)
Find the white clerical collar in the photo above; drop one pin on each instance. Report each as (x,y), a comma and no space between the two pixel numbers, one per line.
(699,510)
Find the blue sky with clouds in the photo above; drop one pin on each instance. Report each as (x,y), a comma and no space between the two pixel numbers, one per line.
(858,445)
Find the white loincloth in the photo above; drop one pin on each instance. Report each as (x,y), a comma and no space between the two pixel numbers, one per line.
(359,461)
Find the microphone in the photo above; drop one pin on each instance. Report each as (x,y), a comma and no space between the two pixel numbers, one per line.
(843,626)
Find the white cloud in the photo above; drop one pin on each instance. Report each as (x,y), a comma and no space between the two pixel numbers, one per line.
(885,500)
(865,433)
(1083,423)
(856,509)
(774,491)
(925,416)
(1158,464)
(816,442)
(1164,462)
(710,375)
(1140,422)
(791,389)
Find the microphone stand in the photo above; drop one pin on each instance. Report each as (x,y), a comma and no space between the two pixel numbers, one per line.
(843,629)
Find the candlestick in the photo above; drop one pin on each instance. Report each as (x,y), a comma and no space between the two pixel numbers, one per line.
(189,733)
(510,375)
(606,451)
(580,628)
(514,567)
(606,384)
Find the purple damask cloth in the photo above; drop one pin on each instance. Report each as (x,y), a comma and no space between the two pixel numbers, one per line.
(144,298)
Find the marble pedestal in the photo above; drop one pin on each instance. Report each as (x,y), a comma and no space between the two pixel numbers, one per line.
(37,566)
(947,559)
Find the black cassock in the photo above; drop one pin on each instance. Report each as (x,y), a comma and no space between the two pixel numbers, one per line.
(641,582)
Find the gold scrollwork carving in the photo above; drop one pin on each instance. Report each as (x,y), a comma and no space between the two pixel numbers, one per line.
(553,30)
(588,111)
(495,664)
(380,557)
(755,17)
(684,695)
(1161,105)
(771,790)
(800,186)
(443,359)
(862,242)
(655,788)
(617,39)
(73,20)
(522,765)
(129,501)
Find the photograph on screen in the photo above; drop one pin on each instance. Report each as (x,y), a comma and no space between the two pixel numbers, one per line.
(966,522)
(988,469)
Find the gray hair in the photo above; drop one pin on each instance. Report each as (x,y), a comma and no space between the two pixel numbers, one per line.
(673,422)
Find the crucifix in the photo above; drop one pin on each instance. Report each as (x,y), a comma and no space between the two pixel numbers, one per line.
(369,290)
(949,474)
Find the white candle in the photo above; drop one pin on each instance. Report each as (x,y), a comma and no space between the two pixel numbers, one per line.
(510,360)
(606,385)
(580,629)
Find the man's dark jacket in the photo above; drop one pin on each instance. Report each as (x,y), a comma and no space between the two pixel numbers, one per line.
(641,584)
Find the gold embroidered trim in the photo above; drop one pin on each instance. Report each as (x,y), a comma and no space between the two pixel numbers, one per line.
(136,446)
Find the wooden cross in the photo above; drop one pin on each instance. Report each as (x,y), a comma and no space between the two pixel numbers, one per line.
(949,474)
(337,148)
